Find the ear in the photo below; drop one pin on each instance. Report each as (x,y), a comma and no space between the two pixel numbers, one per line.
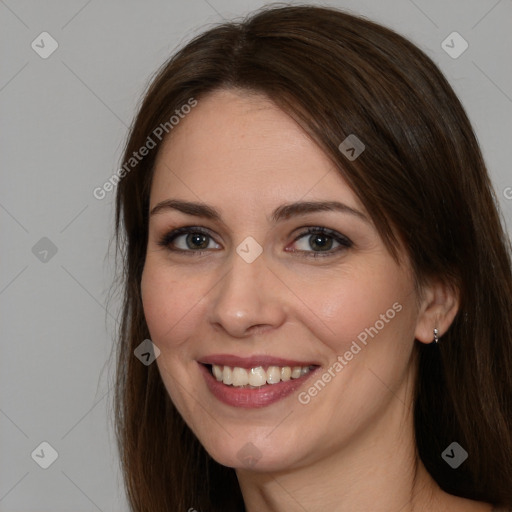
(438,307)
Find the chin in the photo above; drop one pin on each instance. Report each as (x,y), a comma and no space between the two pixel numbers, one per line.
(253,456)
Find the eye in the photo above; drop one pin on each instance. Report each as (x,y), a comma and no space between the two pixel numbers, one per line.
(314,242)
(320,241)
(192,239)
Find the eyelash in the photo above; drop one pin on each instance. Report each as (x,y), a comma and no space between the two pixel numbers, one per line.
(345,243)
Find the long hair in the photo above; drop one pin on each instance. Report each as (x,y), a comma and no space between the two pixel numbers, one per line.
(423,181)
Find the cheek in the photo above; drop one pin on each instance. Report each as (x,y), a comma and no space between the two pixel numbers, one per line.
(360,305)
(169,302)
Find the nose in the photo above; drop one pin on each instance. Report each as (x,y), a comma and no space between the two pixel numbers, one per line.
(248,300)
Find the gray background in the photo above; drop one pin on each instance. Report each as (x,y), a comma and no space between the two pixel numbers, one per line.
(63,122)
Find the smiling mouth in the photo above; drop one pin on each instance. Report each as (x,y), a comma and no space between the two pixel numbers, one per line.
(258,376)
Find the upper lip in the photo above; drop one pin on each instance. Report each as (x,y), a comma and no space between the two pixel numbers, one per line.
(252,361)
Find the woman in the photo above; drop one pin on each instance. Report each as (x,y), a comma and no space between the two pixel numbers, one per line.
(312,245)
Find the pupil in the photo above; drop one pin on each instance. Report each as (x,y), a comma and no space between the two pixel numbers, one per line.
(197,241)
(321,242)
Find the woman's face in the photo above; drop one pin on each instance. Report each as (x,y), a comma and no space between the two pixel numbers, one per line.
(276,265)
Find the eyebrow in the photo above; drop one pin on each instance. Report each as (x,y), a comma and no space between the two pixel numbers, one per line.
(283,212)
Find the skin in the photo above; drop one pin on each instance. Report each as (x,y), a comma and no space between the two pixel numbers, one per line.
(351,447)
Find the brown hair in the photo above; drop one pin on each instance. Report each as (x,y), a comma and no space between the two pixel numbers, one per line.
(423,181)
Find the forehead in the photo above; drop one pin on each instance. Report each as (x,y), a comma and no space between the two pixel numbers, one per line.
(239,147)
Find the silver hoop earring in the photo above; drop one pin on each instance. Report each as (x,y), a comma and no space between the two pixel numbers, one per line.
(436,337)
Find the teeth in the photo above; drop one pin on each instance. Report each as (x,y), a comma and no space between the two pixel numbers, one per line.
(227,375)
(296,372)
(240,377)
(217,372)
(257,376)
(273,374)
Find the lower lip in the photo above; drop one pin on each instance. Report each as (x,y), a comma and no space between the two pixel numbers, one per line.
(251,398)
